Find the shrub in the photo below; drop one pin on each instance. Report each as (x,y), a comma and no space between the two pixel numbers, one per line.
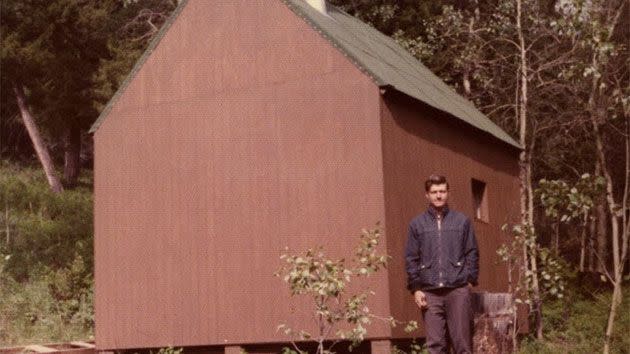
(324,281)
(45,230)
(32,312)
(46,259)
(336,313)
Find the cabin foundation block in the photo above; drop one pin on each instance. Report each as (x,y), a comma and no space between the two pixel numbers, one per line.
(381,346)
(234,349)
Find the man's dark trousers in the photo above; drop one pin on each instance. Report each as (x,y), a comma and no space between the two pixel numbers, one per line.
(453,307)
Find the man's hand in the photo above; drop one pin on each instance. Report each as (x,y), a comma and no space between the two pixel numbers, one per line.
(421,299)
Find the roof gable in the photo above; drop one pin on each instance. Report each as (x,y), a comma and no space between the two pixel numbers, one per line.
(379,56)
(143,58)
(390,65)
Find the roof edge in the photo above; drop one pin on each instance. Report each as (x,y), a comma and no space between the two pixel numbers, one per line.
(511,142)
(384,89)
(139,63)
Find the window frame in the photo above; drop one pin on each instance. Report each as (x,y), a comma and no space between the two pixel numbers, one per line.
(479,190)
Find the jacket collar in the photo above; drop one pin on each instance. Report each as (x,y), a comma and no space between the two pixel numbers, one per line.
(433,211)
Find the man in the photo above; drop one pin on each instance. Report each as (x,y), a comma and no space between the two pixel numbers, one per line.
(442,263)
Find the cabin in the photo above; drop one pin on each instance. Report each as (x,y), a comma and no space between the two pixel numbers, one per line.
(249,126)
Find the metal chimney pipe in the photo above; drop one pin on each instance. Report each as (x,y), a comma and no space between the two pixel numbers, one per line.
(319,5)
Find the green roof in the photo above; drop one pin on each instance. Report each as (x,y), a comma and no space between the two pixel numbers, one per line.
(379,56)
(390,65)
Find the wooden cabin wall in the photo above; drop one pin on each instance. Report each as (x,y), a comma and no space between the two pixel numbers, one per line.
(243,133)
(419,141)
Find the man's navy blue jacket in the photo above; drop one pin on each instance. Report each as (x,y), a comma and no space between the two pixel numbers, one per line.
(444,257)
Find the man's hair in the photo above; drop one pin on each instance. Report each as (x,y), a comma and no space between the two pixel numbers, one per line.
(433,180)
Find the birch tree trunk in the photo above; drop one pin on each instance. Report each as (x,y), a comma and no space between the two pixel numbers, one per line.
(597,112)
(619,251)
(616,247)
(619,245)
(38,142)
(602,227)
(468,67)
(527,204)
(591,246)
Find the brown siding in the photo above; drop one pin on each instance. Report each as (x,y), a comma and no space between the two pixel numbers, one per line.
(419,141)
(243,133)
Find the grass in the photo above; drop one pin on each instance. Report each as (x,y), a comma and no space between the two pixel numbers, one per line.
(577,323)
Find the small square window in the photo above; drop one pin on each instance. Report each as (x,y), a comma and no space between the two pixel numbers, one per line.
(480,200)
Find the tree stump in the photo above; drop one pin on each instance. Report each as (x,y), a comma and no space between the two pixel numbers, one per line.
(493,322)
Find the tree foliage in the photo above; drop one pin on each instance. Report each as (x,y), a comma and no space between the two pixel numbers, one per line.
(70,57)
(325,282)
(53,49)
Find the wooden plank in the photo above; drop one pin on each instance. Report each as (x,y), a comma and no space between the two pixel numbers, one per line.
(39,349)
(82,344)
(75,347)
(76,350)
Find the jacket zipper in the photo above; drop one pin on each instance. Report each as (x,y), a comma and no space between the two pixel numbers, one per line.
(439,226)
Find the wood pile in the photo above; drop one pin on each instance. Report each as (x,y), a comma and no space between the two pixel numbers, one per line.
(76,347)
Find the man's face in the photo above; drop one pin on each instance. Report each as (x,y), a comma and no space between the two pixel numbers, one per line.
(437,195)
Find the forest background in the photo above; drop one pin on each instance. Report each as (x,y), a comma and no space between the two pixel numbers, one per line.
(555,74)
